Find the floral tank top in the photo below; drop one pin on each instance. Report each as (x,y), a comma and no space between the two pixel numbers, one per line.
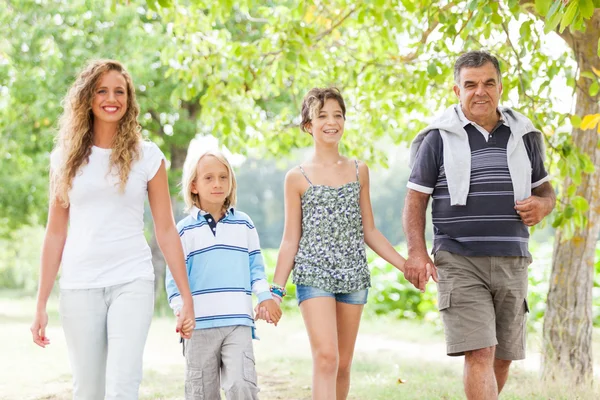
(331,254)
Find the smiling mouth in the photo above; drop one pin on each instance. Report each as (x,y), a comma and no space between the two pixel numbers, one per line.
(330,131)
(110,109)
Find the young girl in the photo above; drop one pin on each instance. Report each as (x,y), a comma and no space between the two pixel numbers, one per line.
(101,171)
(328,219)
(224,266)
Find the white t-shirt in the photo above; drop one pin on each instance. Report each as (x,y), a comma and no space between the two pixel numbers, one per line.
(105,244)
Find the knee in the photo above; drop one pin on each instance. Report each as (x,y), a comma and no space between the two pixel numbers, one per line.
(344,366)
(480,356)
(326,361)
(502,364)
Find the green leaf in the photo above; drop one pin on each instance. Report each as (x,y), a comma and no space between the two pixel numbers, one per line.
(432,70)
(569,15)
(553,17)
(575,121)
(497,19)
(580,204)
(588,74)
(542,6)
(594,88)
(569,211)
(586,8)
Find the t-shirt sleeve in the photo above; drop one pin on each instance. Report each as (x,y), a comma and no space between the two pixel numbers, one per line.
(425,171)
(56,159)
(153,157)
(539,174)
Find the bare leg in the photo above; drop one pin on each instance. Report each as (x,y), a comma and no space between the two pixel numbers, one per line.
(319,315)
(479,379)
(348,321)
(501,371)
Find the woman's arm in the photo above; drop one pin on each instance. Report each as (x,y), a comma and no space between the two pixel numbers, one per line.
(292,228)
(373,237)
(170,245)
(52,250)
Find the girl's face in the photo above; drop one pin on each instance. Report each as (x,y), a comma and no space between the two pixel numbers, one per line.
(328,126)
(109,103)
(212,181)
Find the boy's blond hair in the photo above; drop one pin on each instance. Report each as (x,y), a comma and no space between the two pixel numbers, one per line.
(190,173)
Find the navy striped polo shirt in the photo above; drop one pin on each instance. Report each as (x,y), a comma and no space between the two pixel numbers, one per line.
(488,225)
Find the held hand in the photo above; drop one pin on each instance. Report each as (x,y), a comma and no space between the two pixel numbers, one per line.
(260,312)
(186,321)
(532,210)
(432,272)
(38,329)
(272,309)
(417,272)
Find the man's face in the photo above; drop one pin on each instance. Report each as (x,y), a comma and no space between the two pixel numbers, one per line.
(479,91)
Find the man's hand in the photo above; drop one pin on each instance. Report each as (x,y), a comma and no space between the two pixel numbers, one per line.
(418,269)
(533,209)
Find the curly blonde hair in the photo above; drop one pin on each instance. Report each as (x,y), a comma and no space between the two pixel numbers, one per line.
(76,135)
(190,173)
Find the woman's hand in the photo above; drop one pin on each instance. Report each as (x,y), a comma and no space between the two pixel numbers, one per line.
(38,328)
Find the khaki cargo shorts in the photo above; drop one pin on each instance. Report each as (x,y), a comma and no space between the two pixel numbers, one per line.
(483,303)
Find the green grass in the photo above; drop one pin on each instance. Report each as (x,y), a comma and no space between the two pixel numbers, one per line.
(388,352)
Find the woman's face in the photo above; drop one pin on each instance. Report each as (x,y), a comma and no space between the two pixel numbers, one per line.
(328,125)
(109,103)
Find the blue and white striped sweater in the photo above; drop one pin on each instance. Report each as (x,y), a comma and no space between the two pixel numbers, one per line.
(223,268)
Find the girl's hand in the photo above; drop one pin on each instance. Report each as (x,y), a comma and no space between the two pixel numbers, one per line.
(186,321)
(272,309)
(38,329)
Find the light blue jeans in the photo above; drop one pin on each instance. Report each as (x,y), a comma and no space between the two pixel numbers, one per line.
(106,331)
(309,292)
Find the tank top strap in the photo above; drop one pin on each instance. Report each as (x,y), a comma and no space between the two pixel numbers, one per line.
(304,173)
(356,163)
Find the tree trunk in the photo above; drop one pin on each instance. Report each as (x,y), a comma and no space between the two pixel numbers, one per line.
(568,319)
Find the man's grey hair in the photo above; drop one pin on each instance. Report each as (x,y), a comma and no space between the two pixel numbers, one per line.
(475,59)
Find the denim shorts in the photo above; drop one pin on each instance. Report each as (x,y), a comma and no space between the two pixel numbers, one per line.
(308,292)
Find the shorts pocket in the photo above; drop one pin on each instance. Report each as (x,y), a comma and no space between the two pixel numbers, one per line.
(249,368)
(450,314)
(525,307)
(194,386)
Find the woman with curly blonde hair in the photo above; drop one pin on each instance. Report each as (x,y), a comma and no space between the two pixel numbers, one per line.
(100,173)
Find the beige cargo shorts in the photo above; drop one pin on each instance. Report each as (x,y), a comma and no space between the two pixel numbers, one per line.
(483,303)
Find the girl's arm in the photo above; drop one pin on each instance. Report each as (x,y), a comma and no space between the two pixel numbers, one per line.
(170,245)
(52,250)
(258,279)
(373,237)
(292,228)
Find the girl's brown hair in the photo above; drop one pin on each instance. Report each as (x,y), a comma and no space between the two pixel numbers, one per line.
(313,103)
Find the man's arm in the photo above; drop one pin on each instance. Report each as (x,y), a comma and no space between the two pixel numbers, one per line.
(541,203)
(413,221)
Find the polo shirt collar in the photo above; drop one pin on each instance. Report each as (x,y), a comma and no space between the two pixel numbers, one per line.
(197,213)
(465,121)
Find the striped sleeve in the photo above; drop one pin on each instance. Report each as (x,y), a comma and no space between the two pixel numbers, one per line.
(258,279)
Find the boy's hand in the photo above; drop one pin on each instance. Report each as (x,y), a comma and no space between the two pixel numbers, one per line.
(272,309)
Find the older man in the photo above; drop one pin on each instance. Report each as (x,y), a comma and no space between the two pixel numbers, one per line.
(483,165)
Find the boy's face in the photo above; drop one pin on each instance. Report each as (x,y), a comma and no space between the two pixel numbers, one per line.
(212,181)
